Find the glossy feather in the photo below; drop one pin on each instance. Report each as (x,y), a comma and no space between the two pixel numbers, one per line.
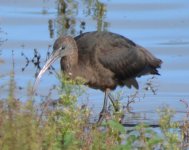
(114,59)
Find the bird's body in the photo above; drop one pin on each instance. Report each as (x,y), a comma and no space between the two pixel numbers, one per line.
(105,60)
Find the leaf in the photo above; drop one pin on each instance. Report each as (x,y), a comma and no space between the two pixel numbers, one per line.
(116,126)
(155,141)
(68,138)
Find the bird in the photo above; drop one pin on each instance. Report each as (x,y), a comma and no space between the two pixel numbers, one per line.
(104,60)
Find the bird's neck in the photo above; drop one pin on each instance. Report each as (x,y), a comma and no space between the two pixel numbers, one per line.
(68,63)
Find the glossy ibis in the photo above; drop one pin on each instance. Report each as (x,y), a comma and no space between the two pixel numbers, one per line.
(104,59)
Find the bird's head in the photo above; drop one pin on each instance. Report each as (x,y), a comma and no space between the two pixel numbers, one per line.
(63,46)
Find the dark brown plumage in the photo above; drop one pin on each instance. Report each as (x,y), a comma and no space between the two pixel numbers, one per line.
(104,59)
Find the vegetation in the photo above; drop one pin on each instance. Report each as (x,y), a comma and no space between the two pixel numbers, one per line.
(66,125)
(30,125)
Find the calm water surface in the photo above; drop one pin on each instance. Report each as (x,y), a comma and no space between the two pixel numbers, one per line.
(162,27)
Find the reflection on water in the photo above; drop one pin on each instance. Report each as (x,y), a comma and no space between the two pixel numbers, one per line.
(161,27)
(70,11)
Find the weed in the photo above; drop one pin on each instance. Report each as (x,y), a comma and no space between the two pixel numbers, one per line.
(67,125)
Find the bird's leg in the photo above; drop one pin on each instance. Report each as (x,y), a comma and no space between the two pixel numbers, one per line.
(114,103)
(104,109)
(116,106)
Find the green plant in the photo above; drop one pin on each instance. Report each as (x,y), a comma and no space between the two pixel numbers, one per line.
(67,125)
(169,129)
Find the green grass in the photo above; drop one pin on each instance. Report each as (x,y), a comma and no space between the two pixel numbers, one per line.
(29,125)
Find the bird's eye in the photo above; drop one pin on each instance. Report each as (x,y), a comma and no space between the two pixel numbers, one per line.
(63,47)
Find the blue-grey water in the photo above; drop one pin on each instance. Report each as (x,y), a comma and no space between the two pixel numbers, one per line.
(160,26)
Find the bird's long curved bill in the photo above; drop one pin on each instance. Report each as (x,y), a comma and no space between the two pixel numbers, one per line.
(54,56)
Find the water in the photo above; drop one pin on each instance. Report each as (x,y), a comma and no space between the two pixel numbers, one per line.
(161,27)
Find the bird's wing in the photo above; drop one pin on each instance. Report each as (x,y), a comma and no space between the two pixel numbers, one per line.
(126,59)
(118,54)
